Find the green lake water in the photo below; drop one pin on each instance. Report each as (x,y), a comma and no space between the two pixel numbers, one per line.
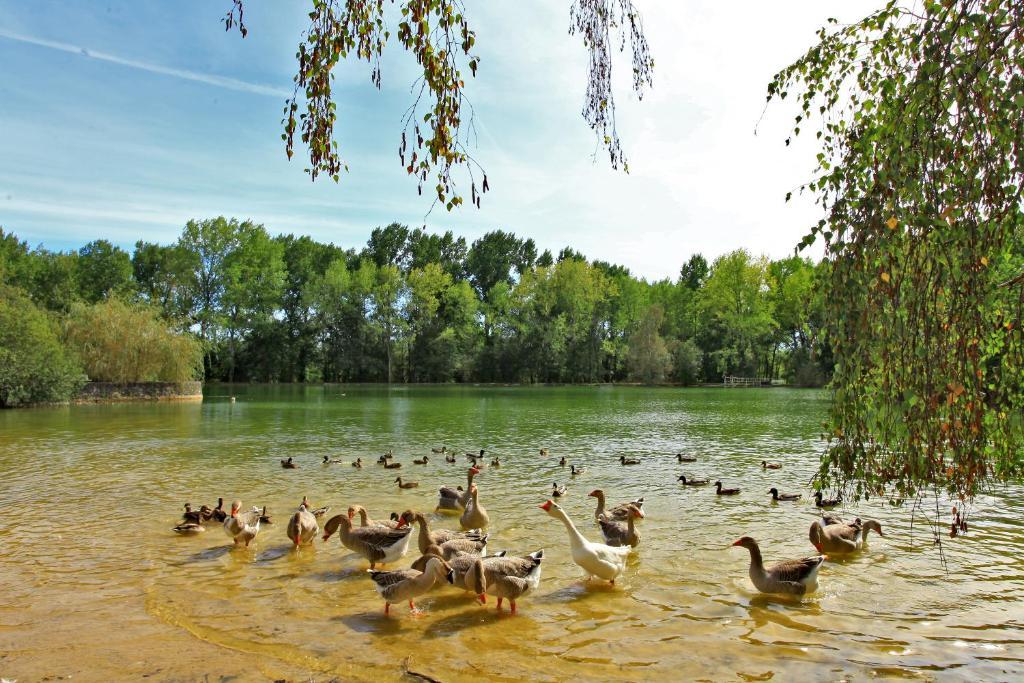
(97,587)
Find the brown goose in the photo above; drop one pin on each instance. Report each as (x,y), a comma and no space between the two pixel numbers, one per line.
(795,577)
(302,527)
(406,484)
(376,543)
(618,534)
(472,539)
(830,518)
(724,492)
(364,518)
(409,584)
(822,502)
(685,458)
(619,512)
(288,464)
(765,465)
(841,538)
(455,498)
(776,496)
(693,482)
(474,516)
(504,577)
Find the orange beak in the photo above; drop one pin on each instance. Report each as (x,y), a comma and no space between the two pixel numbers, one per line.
(817,546)
(474,470)
(401,523)
(351,514)
(546,506)
(736,543)
(592,493)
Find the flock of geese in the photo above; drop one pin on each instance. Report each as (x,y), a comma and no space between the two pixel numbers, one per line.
(459,557)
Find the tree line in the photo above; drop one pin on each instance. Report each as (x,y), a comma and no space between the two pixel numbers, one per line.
(414,306)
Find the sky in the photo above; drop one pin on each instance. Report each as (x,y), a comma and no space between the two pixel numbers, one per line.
(124,119)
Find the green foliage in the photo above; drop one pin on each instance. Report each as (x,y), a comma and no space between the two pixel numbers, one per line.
(34,366)
(103,270)
(414,306)
(123,342)
(649,360)
(920,177)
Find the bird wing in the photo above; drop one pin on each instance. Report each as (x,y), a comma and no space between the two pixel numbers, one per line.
(795,570)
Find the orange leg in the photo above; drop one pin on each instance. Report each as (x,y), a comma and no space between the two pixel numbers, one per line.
(387,608)
(499,603)
(513,603)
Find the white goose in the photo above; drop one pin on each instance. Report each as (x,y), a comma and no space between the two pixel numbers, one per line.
(597,559)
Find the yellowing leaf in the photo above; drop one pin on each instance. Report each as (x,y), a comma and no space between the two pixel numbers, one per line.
(885,277)
(984,260)
(892,223)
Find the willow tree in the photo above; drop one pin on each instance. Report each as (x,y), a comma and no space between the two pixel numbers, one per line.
(438,125)
(919,113)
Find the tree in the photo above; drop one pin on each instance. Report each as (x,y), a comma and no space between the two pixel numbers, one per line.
(34,366)
(162,275)
(738,313)
(649,360)
(920,176)
(103,269)
(123,342)
(438,34)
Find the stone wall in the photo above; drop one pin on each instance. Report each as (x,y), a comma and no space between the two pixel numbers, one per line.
(99,392)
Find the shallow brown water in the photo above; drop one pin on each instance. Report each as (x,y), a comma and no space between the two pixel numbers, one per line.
(96,587)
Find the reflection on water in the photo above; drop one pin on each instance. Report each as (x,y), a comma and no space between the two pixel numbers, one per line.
(96,586)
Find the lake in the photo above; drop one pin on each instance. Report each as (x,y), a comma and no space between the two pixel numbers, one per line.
(97,587)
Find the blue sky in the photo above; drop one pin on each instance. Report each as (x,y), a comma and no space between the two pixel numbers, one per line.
(124,119)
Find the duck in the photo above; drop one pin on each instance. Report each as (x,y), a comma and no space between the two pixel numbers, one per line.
(558,491)
(618,534)
(776,496)
(842,539)
(765,465)
(365,520)
(476,460)
(544,451)
(382,460)
(821,502)
(358,462)
(472,541)
(218,514)
(597,559)
(692,482)
(473,456)
(194,516)
(474,516)
(724,492)
(421,461)
(188,528)
(795,577)
(329,461)
(685,458)
(242,526)
(619,512)
(316,512)
(439,451)
(450,458)
(628,461)
(406,484)
(454,499)
(288,464)
(496,463)
(505,578)
(562,461)
(302,527)
(264,517)
(576,471)
(409,584)
(377,544)
(392,465)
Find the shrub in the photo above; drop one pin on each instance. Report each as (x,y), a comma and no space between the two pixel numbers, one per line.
(34,366)
(124,342)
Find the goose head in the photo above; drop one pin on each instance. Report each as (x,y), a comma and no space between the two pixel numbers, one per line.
(236,507)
